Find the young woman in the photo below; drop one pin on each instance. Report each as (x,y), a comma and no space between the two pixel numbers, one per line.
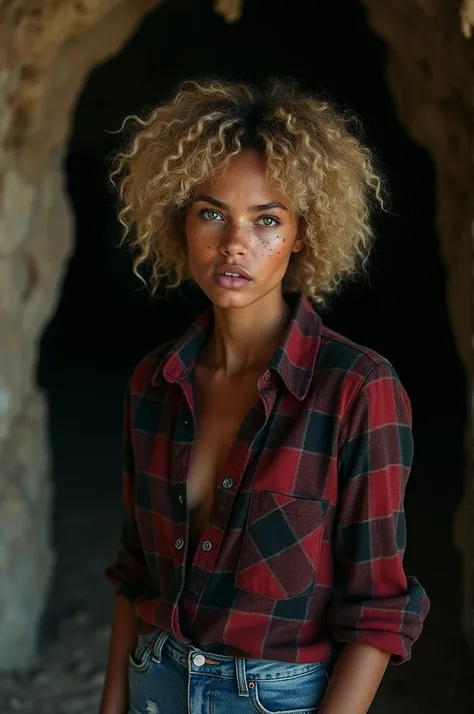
(266,456)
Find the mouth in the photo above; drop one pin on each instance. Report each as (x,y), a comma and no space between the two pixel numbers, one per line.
(232,276)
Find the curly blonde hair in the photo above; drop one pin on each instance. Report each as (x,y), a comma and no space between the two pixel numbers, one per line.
(318,165)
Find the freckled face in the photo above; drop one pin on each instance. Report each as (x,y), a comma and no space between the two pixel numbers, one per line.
(240,234)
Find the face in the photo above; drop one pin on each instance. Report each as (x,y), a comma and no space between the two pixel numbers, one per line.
(240,234)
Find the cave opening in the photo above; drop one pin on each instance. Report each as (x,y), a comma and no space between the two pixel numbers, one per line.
(105,321)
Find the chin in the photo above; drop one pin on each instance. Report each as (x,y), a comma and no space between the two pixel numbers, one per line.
(227,298)
(229,301)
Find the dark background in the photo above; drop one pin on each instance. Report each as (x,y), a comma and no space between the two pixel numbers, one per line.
(105,321)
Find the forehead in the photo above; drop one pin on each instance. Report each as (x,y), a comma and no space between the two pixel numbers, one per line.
(244,179)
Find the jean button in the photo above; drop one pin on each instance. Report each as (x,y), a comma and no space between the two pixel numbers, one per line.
(199,660)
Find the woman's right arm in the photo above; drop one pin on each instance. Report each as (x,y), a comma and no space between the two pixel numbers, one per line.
(123,637)
(130,576)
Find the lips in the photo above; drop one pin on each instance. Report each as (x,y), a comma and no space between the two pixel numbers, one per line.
(233,271)
(232,277)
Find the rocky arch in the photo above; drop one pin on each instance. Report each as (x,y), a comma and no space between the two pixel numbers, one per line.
(46,50)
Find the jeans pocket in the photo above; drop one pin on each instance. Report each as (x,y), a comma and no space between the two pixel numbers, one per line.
(301,694)
(140,657)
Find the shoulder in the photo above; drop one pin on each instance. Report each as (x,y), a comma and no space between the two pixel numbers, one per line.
(149,366)
(356,375)
(352,360)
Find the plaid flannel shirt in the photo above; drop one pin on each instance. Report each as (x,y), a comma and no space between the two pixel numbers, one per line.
(305,541)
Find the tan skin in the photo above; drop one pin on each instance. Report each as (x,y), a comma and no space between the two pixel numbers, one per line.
(224,225)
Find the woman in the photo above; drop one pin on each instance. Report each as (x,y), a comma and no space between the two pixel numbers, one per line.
(266,456)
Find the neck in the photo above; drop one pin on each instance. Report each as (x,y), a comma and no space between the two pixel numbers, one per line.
(246,338)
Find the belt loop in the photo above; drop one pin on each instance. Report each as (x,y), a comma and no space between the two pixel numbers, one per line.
(241,675)
(159,642)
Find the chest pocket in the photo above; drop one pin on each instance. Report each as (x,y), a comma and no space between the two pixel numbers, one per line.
(281,545)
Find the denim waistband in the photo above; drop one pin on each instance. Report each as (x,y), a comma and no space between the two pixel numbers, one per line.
(240,668)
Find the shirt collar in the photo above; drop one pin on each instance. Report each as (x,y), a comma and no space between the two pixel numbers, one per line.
(293,360)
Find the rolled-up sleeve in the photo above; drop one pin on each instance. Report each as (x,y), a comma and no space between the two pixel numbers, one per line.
(129,573)
(376,602)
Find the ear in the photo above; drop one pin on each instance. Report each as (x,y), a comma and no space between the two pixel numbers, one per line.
(298,245)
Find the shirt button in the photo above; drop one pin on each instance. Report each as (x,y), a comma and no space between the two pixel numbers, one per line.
(207,545)
(267,377)
(180,498)
(199,660)
(228,482)
(178,544)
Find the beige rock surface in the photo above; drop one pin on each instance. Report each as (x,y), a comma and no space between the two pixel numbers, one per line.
(46,50)
(431,75)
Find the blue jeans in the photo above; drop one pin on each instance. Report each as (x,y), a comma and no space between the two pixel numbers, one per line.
(167,677)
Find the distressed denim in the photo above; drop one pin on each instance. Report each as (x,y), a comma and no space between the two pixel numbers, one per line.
(167,677)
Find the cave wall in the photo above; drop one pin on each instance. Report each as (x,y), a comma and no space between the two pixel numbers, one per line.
(46,49)
(431,75)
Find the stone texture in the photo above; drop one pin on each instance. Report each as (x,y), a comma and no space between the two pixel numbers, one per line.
(467,17)
(230,10)
(15,211)
(430,71)
(46,49)
(431,74)
(25,556)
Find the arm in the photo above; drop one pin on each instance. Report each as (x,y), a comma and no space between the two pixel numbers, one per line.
(355,680)
(378,612)
(122,640)
(130,576)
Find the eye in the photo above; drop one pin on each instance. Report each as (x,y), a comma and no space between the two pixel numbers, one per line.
(210,215)
(268,221)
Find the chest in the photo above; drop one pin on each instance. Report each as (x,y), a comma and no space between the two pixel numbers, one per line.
(221,407)
(286,446)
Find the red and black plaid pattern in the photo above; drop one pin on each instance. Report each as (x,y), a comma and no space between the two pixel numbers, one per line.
(306,537)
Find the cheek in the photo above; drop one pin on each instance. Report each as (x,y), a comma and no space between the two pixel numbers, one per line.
(275,251)
(199,245)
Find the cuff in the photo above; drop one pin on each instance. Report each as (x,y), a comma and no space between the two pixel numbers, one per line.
(391,624)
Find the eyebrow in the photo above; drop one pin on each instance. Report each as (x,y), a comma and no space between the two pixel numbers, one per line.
(225,207)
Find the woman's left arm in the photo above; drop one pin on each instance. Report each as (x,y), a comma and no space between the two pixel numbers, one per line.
(378,612)
(355,680)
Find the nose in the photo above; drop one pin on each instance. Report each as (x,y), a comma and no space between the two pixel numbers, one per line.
(235,240)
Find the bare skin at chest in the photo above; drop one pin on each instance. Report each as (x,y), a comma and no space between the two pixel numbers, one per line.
(222,403)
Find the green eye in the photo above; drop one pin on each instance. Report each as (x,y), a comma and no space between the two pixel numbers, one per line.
(209,215)
(268,221)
